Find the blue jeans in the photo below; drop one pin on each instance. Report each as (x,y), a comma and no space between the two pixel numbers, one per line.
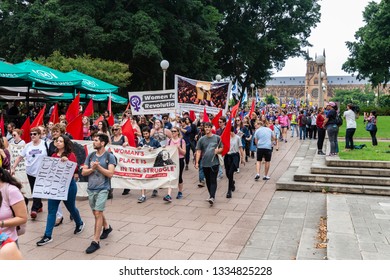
(70,205)
(294,128)
(302,132)
(333,131)
(201,173)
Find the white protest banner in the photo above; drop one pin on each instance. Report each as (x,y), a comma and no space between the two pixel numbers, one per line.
(20,171)
(53,179)
(153,102)
(144,168)
(195,95)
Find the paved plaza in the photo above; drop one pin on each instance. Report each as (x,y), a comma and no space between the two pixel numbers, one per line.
(257,223)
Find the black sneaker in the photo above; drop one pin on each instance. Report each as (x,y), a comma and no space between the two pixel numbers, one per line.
(154,193)
(126,191)
(106,232)
(93,247)
(211,201)
(257,177)
(79,229)
(44,241)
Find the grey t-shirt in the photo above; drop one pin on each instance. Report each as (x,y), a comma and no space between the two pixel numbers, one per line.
(207,146)
(96,180)
(264,138)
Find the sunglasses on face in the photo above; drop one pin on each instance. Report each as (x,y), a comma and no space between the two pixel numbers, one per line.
(115,129)
(33,134)
(174,130)
(13,135)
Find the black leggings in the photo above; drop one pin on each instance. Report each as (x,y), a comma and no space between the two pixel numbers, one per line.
(37,202)
(211,173)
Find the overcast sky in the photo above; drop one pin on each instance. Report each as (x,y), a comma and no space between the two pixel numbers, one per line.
(340,19)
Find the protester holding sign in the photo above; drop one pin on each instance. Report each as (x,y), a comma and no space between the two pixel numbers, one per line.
(99,167)
(33,152)
(65,152)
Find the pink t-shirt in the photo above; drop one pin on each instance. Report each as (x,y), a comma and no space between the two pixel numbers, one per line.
(283,120)
(179,142)
(14,196)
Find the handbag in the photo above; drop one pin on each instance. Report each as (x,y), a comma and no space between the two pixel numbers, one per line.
(370,126)
(220,159)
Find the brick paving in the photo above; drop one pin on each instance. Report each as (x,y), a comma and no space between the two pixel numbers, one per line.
(184,229)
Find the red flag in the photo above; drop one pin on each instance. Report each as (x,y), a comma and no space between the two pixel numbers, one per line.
(73,109)
(205,116)
(128,131)
(54,115)
(89,110)
(39,118)
(26,130)
(110,119)
(128,106)
(252,108)
(2,126)
(99,119)
(234,110)
(75,128)
(225,137)
(216,119)
(192,115)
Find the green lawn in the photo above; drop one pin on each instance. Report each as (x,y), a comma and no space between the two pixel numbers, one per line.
(383,126)
(380,152)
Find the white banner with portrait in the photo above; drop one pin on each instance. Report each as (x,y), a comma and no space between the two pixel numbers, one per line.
(153,102)
(196,95)
(144,168)
(53,179)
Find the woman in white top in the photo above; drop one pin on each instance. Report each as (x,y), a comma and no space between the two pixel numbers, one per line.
(350,118)
(16,137)
(33,153)
(160,133)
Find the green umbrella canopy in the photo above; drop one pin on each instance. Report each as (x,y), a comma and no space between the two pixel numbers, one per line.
(95,97)
(11,75)
(47,76)
(92,84)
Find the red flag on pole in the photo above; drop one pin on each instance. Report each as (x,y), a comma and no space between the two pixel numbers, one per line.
(39,118)
(75,128)
(26,130)
(128,131)
(216,119)
(99,119)
(89,110)
(192,115)
(128,106)
(225,137)
(252,108)
(3,133)
(205,116)
(235,109)
(110,119)
(73,109)
(54,115)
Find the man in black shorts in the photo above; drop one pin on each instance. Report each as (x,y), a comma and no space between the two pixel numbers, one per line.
(263,138)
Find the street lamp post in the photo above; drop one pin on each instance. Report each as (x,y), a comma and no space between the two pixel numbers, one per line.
(252,87)
(164,66)
(320,60)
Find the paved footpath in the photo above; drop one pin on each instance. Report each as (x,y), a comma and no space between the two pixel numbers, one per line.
(257,223)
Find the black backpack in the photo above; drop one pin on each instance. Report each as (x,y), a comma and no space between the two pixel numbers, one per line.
(339,120)
(304,120)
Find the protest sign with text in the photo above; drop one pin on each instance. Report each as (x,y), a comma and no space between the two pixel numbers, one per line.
(53,179)
(196,95)
(144,168)
(20,171)
(153,102)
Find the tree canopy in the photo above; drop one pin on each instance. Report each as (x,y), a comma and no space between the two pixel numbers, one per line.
(240,39)
(369,54)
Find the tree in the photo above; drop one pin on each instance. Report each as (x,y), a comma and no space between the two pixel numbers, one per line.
(260,35)
(270,99)
(369,54)
(112,72)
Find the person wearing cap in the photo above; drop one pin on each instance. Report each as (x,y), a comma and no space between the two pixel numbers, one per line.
(331,127)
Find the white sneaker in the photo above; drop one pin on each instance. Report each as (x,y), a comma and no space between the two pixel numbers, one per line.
(266,178)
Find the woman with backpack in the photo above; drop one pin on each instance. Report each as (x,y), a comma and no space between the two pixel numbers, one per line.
(371,126)
(332,127)
(13,210)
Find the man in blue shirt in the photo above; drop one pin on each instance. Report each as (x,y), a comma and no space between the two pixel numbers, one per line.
(263,139)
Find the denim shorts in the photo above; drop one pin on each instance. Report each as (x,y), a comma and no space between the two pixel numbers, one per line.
(97,199)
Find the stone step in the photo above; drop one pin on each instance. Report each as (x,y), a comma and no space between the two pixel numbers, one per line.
(335,161)
(327,187)
(315,169)
(342,179)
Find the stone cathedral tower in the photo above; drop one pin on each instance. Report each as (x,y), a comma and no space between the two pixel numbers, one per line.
(313,81)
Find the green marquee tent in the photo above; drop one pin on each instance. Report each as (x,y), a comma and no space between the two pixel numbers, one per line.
(11,75)
(95,97)
(91,84)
